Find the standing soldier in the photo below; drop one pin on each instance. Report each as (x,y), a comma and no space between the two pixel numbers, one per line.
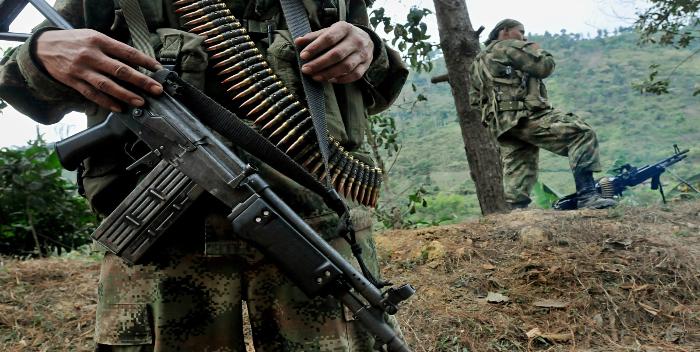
(507,88)
(187,294)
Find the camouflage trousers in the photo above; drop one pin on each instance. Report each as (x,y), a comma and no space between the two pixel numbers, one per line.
(183,301)
(560,133)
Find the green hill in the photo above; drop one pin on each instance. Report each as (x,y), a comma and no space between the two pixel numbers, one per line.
(594,80)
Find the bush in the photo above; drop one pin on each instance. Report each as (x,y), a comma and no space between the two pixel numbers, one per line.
(40,211)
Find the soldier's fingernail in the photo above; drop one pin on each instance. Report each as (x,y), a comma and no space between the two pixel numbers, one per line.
(116,108)
(333,80)
(305,69)
(156,88)
(158,67)
(136,102)
(304,55)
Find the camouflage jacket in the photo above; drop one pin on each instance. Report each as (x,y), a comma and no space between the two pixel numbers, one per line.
(25,85)
(506,83)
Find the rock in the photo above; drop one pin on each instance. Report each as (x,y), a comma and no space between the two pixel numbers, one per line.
(432,251)
(533,236)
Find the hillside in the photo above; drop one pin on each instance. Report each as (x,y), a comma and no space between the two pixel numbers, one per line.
(620,280)
(593,79)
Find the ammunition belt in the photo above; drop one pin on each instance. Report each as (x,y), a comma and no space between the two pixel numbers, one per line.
(263,98)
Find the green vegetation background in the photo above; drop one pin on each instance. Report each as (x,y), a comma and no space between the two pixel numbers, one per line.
(593,79)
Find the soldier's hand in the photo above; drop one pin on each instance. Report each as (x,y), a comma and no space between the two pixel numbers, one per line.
(90,62)
(340,53)
(534,45)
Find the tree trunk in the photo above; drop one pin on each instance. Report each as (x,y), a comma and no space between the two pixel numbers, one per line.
(460,44)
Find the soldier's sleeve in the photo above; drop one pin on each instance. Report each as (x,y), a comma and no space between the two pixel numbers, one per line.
(387,73)
(537,62)
(26,85)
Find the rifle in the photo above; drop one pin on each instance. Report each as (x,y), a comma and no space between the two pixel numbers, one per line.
(190,160)
(628,176)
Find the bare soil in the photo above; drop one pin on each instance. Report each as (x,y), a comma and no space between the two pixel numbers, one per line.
(627,279)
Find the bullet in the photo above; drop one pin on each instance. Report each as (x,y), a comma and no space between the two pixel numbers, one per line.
(234,50)
(299,115)
(341,166)
(289,110)
(316,156)
(256,73)
(352,175)
(340,186)
(274,109)
(276,88)
(195,5)
(201,11)
(209,17)
(214,24)
(244,59)
(229,43)
(361,179)
(272,99)
(333,158)
(299,142)
(359,174)
(306,150)
(258,86)
(368,187)
(182,2)
(231,31)
(377,185)
(231,25)
(294,131)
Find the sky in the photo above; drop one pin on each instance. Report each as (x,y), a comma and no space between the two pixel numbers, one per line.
(538,16)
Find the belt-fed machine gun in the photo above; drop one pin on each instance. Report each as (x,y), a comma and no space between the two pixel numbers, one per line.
(628,176)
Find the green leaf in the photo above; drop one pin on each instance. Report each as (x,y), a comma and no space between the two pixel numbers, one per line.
(544,196)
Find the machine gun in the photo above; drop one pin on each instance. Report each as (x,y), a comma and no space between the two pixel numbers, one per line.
(189,160)
(628,176)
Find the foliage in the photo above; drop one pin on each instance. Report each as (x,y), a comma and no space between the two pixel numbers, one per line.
(544,196)
(38,205)
(385,133)
(671,23)
(411,37)
(397,216)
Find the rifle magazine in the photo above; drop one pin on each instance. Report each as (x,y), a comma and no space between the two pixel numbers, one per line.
(147,212)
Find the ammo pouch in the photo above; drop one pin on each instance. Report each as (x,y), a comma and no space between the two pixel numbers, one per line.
(185,52)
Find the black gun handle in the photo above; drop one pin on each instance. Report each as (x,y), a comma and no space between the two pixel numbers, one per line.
(76,148)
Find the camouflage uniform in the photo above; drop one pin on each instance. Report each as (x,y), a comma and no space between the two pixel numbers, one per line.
(507,88)
(187,295)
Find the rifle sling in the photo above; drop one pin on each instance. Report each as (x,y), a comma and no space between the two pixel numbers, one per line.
(226,123)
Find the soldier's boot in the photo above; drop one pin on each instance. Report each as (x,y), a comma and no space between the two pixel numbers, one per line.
(586,195)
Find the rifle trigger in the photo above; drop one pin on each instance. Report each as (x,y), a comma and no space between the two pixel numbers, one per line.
(149,160)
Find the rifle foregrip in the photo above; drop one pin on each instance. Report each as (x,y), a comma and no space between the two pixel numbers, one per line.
(78,147)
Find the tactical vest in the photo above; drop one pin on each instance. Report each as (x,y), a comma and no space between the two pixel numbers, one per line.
(498,87)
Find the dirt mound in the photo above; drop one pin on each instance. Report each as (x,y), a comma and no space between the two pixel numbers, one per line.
(618,280)
(621,280)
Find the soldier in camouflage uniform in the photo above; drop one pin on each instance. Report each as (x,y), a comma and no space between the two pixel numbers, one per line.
(507,88)
(187,295)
